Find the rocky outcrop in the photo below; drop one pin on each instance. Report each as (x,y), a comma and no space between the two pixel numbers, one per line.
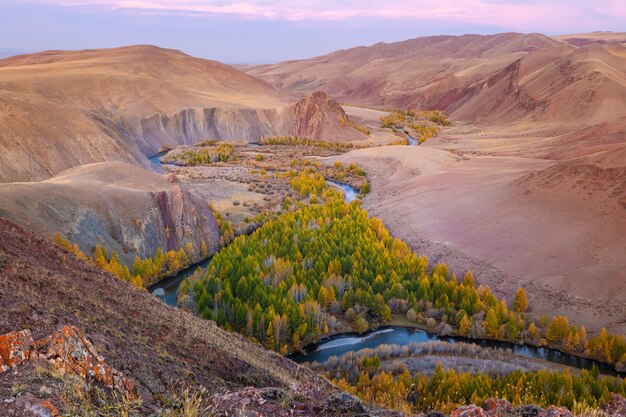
(126,208)
(67,349)
(318,116)
(468,411)
(190,126)
(616,407)
(502,408)
(15,349)
(496,407)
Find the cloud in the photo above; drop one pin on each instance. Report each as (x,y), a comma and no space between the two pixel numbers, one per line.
(513,14)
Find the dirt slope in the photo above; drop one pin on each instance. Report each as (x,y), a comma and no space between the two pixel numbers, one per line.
(145,339)
(60,109)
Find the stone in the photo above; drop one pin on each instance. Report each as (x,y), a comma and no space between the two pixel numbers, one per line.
(343,403)
(41,408)
(15,349)
(69,348)
(469,411)
(496,407)
(616,407)
(527,411)
(554,411)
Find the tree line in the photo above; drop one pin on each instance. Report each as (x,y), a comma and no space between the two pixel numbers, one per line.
(446,390)
(144,271)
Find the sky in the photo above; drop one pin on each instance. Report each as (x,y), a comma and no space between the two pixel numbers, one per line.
(266,31)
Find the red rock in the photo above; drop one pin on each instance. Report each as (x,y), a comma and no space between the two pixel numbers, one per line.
(469,411)
(496,407)
(15,348)
(69,348)
(41,408)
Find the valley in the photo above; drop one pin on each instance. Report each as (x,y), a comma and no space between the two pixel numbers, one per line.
(400,229)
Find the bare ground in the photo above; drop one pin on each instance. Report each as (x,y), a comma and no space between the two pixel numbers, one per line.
(565,248)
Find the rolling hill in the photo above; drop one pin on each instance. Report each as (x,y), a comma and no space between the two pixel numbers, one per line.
(60,109)
(510,84)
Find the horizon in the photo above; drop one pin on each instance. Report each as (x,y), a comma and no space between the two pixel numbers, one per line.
(266,31)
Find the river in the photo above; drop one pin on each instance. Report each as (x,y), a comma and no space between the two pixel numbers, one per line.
(167,291)
(412,142)
(340,344)
(349,193)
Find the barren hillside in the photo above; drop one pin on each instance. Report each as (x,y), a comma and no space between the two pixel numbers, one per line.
(128,209)
(151,343)
(541,87)
(60,109)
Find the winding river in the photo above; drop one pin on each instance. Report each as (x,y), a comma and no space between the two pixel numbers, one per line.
(340,344)
(349,193)
(167,291)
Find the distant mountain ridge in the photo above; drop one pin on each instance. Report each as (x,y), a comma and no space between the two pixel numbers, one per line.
(547,85)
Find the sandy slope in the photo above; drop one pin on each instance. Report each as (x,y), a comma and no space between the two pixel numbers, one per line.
(485,214)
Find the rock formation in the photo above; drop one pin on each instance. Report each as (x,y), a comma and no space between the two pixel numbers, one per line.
(67,349)
(318,116)
(126,208)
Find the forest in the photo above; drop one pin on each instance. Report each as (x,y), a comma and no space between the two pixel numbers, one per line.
(422,124)
(327,267)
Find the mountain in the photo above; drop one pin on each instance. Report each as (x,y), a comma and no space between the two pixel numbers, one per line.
(60,109)
(394,74)
(539,86)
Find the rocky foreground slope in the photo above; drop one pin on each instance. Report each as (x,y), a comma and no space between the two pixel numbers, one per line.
(60,109)
(158,348)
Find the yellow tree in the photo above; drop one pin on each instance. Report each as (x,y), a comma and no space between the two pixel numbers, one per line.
(520,303)
(465,324)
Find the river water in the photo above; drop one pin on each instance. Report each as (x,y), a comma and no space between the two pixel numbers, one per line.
(340,344)
(412,142)
(349,193)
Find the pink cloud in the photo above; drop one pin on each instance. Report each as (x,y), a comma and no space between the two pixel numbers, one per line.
(512,14)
